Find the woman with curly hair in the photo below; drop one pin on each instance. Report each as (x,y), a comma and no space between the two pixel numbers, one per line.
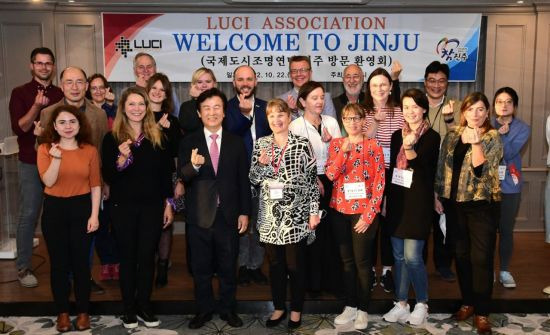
(68,165)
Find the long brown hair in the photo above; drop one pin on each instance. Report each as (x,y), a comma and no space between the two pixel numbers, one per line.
(84,135)
(470,100)
(122,130)
(167,104)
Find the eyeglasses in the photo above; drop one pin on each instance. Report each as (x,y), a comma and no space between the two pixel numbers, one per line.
(504,102)
(433,81)
(97,88)
(303,70)
(352,119)
(42,64)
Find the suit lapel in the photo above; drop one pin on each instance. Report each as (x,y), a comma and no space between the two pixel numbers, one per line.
(205,151)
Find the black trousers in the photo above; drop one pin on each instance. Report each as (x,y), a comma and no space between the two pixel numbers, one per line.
(214,249)
(286,261)
(357,256)
(323,263)
(473,237)
(137,230)
(64,226)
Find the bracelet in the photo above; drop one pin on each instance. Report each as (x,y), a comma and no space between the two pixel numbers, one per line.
(451,120)
(55,157)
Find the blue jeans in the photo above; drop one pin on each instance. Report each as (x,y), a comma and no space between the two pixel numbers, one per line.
(30,202)
(251,253)
(547,208)
(409,268)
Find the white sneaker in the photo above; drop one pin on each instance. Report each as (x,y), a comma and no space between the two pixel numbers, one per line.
(349,314)
(419,315)
(546,290)
(506,279)
(397,313)
(362,320)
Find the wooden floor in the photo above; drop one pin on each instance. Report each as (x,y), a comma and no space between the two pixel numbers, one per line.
(530,267)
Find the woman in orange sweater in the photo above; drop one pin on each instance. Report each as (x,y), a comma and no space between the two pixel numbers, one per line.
(69,168)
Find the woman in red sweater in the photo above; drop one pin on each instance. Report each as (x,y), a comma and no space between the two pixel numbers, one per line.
(356,167)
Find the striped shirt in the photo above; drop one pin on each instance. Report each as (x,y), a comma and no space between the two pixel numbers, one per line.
(385,128)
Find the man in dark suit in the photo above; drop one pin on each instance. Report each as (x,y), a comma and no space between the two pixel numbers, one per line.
(213,166)
(246,117)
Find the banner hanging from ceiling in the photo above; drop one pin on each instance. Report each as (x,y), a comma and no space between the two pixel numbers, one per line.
(181,43)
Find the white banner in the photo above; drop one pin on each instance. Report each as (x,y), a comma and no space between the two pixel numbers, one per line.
(181,43)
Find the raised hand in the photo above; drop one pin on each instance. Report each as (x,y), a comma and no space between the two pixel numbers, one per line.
(291,102)
(448,109)
(109,96)
(380,115)
(164,122)
(504,129)
(263,159)
(38,130)
(326,137)
(124,148)
(196,158)
(409,140)
(396,69)
(55,152)
(245,105)
(40,100)
(346,145)
(471,135)
(194,91)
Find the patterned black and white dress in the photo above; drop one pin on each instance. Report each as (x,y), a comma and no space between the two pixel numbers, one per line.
(285,221)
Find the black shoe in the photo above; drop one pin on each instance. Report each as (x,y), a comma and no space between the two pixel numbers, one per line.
(95,288)
(294,324)
(129,321)
(387,282)
(446,274)
(243,278)
(148,318)
(162,273)
(232,319)
(199,320)
(270,323)
(257,276)
(373,282)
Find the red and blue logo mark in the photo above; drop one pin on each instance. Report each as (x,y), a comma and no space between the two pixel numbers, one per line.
(450,50)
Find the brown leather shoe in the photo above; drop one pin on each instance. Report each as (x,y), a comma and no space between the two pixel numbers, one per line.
(482,324)
(83,321)
(63,323)
(464,313)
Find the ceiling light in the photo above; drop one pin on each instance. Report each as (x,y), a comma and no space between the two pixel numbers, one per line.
(519,2)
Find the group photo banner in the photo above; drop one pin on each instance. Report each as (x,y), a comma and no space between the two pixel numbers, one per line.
(182,43)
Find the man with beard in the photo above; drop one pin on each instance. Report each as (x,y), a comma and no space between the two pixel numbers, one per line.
(26,102)
(300,73)
(246,117)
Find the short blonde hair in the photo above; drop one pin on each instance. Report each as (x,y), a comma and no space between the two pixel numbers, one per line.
(199,72)
(277,105)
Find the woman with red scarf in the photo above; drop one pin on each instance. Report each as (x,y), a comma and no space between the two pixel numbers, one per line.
(413,163)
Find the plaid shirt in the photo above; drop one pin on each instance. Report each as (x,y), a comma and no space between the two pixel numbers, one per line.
(470,187)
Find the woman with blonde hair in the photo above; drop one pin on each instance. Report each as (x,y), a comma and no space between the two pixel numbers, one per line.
(467,178)
(202,79)
(136,164)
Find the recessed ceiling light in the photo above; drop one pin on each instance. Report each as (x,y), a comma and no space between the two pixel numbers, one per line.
(36,0)
(71,1)
(519,2)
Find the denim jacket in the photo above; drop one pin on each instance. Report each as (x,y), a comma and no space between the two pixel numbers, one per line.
(470,187)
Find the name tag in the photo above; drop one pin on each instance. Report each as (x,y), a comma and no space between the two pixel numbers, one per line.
(355,191)
(402,177)
(386,155)
(275,190)
(501,172)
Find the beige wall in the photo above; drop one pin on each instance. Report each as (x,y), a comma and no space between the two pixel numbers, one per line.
(516,55)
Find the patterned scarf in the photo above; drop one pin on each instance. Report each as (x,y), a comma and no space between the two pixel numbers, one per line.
(401,158)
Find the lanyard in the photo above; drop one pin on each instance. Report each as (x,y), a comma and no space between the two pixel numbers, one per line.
(276,167)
